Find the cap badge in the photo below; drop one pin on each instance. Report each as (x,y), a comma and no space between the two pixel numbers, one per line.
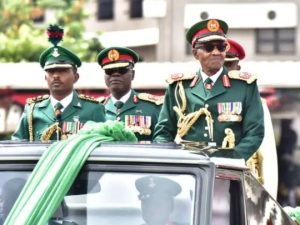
(55,53)
(113,55)
(213,25)
(151,183)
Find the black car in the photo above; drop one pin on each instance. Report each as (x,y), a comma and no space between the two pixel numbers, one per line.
(118,181)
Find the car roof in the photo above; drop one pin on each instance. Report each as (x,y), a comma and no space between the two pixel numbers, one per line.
(126,152)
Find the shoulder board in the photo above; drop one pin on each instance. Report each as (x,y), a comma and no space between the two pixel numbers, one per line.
(180,76)
(102,99)
(245,76)
(88,98)
(37,99)
(158,100)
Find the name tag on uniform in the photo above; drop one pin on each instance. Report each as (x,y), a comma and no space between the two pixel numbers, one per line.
(230,111)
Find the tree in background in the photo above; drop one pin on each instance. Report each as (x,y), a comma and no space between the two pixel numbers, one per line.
(23,40)
(19,39)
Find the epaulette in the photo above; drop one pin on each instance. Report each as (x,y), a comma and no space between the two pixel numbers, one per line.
(245,76)
(88,98)
(36,99)
(102,99)
(180,76)
(158,100)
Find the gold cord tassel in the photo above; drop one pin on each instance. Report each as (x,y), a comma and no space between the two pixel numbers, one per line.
(255,164)
(49,132)
(185,122)
(30,122)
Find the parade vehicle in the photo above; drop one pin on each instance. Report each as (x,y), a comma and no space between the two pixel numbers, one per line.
(213,191)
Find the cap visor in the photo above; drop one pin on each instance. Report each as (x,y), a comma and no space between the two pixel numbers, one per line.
(231,59)
(52,66)
(115,65)
(211,38)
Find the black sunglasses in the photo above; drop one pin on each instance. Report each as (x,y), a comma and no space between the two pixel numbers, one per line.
(120,70)
(209,47)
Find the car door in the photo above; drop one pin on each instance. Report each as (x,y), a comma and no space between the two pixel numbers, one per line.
(261,208)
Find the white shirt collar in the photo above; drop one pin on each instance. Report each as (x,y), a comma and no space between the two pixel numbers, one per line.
(213,77)
(65,102)
(123,99)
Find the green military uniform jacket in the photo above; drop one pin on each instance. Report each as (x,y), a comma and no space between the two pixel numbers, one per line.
(234,102)
(81,109)
(140,112)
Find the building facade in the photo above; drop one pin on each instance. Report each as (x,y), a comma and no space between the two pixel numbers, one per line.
(156,28)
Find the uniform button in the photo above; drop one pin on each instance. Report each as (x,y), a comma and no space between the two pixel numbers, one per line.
(206,105)
(118,118)
(205,134)
(206,128)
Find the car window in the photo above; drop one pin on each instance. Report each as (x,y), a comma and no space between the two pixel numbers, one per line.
(113,198)
(227,202)
(11,184)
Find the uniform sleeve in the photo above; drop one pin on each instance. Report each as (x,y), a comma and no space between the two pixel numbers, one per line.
(22,132)
(166,128)
(253,124)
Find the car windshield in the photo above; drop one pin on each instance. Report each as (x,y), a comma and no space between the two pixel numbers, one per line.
(110,198)
(135,198)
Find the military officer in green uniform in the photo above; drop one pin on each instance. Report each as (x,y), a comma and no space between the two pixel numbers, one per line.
(64,111)
(139,111)
(212,106)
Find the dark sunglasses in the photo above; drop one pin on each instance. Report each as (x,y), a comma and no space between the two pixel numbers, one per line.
(121,70)
(209,47)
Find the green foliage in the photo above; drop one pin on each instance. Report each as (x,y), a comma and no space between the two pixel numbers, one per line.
(14,13)
(27,47)
(294,213)
(22,40)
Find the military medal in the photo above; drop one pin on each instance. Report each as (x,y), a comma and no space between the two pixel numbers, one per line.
(71,127)
(230,112)
(138,124)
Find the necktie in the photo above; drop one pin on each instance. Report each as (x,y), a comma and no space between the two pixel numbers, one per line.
(57,110)
(119,104)
(208,84)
